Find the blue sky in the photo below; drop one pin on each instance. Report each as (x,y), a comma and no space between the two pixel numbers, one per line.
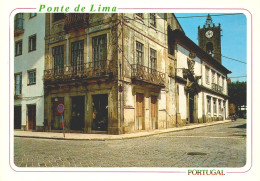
(233,40)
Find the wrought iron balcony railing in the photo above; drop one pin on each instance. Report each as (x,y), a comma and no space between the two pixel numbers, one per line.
(75,20)
(80,71)
(18,26)
(217,88)
(146,74)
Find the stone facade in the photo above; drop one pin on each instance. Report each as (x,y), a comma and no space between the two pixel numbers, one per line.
(110,71)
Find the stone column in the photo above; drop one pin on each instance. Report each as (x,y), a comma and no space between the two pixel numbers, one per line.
(67,112)
(87,114)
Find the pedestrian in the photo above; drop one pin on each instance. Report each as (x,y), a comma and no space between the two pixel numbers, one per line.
(233,117)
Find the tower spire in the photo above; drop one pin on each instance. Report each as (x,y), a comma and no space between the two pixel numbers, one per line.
(209,22)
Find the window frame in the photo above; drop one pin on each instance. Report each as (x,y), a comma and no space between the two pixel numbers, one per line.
(207,75)
(139,53)
(213,76)
(140,15)
(16,45)
(29,78)
(214,105)
(58,59)
(20,83)
(30,47)
(208,104)
(32,15)
(153,19)
(99,51)
(153,59)
(223,83)
(77,49)
(219,106)
(18,21)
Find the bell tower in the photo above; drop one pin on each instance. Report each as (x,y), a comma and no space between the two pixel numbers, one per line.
(210,39)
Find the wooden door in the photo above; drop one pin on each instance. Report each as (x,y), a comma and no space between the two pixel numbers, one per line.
(154,112)
(31,117)
(139,111)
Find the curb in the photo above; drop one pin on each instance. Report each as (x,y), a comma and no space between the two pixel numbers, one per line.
(96,137)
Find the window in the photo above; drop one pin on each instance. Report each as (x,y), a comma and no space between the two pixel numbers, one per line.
(18,21)
(153,19)
(171,41)
(58,16)
(219,106)
(18,48)
(223,82)
(207,75)
(214,106)
(213,76)
(218,77)
(99,50)
(153,59)
(31,77)
(140,15)
(58,59)
(32,15)
(77,55)
(139,53)
(32,43)
(18,83)
(209,104)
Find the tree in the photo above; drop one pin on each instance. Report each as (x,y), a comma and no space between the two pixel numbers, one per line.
(237,94)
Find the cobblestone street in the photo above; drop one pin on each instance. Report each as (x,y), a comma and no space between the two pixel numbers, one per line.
(222,145)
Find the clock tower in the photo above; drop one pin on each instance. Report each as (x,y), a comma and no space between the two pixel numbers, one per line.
(210,39)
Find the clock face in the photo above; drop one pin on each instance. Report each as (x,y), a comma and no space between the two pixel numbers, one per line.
(209,34)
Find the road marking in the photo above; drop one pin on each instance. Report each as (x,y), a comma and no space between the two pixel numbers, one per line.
(211,137)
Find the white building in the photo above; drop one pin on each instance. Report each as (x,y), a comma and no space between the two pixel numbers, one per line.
(201,83)
(29,45)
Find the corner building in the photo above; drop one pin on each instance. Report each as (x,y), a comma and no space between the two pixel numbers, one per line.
(114,73)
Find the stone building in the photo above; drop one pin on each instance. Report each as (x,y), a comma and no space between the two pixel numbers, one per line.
(112,72)
(123,73)
(28,71)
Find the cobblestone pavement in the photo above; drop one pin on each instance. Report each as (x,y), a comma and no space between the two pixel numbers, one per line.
(221,145)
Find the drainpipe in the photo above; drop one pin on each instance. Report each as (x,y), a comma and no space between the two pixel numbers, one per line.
(123,77)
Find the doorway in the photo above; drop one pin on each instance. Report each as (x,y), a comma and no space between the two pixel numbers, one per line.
(56,116)
(100,112)
(77,113)
(139,111)
(154,112)
(31,117)
(17,117)
(191,107)
(224,109)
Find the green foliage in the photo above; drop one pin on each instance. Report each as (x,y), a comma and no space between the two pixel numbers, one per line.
(237,93)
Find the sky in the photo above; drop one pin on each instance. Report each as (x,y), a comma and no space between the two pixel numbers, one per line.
(233,40)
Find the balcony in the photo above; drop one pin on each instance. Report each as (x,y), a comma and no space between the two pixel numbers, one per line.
(147,75)
(216,88)
(86,71)
(18,26)
(75,21)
